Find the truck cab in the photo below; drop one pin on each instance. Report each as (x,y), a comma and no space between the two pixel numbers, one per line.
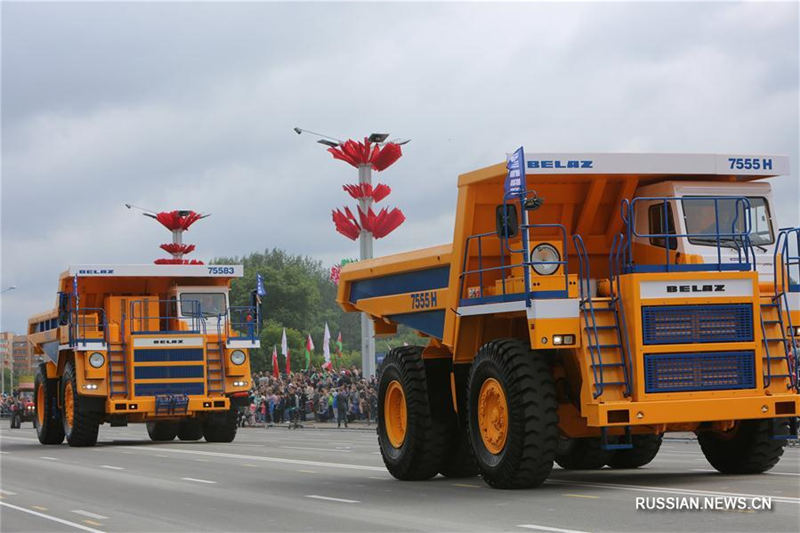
(701,210)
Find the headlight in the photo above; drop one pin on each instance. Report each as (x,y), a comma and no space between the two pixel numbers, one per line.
(237,357)
(546,253)
(97,359)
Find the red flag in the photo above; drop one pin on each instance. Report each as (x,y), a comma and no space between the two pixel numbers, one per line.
(276,371)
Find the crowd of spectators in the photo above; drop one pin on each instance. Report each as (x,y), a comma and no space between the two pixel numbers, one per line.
(323,395)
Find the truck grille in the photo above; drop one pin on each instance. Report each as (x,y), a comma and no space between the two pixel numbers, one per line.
(167,375)
(699,371)
(685,324)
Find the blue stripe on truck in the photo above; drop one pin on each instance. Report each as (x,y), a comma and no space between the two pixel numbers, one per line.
(428,322)
(420,280)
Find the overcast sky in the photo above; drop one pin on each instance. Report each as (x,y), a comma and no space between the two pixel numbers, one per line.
(192,106)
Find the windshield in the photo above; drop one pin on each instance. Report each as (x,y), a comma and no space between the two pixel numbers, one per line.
(210,303)
(701,221)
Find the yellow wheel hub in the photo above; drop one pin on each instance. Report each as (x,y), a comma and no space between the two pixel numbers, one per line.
(493,416)
(394,413)
(69,404)
(40,399)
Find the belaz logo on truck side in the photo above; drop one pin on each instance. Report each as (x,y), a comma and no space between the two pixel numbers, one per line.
(558,163)
(695,288)
(167,341)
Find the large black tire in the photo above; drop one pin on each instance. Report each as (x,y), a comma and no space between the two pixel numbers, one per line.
(531,422)
(458,462)
(645,448)
(84,413)
(220,427)
(421,453)
(47,422)
(190,429)
(582,454)
(162,431)
(746,449)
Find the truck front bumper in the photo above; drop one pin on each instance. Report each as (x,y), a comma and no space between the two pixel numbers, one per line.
(691,410)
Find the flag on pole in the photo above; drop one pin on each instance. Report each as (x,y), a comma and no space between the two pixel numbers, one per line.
(309,350)
(276,371)
(326,348)
(285,352)
(339,348)
(260,290)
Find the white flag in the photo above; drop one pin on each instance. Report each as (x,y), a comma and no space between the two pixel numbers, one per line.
(284,345)
(326,345)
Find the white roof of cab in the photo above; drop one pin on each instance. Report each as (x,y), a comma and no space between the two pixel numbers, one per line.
(148,271)
(733,164)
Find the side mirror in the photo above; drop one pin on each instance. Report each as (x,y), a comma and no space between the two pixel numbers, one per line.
(507,221)
(63,309)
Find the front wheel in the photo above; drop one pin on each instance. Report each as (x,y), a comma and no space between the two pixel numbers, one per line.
(513,425)
(81,418)
(49,428)
(746,449)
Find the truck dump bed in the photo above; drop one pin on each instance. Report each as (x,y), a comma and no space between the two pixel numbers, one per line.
(408,288)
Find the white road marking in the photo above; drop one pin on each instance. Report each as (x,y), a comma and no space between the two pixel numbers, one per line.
(546,528)
(3,453)
(48,458)
(53,518)
(7,493)
(90,515)
(327,498)
(198,480)
(271,459)
(111,467)
(16,438)
(313,449)
(770,473)
(670,490)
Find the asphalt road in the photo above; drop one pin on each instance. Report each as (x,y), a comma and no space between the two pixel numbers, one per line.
(333,480)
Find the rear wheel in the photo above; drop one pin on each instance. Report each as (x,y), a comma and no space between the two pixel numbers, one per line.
(162,431)
(81,416)
(513,425)
(412,441)
(645,448)
(220,427)
(745,449)
(49,428)
(582,454)
(190,429)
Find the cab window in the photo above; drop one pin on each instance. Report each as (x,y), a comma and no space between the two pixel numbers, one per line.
(658,226)
(210,303)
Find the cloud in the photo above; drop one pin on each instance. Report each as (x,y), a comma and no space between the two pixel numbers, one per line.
(192,105)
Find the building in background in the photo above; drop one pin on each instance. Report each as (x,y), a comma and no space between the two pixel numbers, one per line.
(6,341)
(22,356)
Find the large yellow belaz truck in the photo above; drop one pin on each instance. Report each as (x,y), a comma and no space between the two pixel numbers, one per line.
(611,299)
(158,344)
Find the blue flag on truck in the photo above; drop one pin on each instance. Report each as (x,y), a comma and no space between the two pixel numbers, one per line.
(260,290)
(515,178)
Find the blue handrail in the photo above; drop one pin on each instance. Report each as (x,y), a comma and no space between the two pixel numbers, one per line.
(788,239)
(243,323)
(746,258)
(79,325)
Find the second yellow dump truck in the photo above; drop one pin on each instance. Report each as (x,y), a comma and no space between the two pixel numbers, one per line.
(158,344)
(586,307)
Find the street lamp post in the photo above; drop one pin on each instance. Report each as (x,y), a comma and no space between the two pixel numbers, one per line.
(374,153)
(3,385)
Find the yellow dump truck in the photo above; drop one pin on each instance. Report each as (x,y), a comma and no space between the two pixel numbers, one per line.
(585,307)
(158,344)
